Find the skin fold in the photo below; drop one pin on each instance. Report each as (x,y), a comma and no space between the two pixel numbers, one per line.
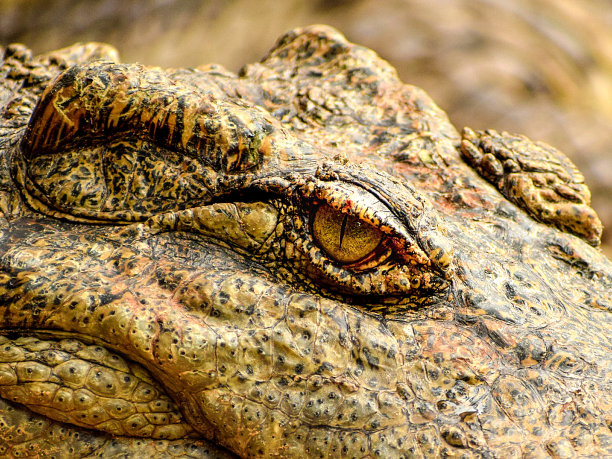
(304,259)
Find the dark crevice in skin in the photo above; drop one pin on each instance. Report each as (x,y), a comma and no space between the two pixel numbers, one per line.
(482,330)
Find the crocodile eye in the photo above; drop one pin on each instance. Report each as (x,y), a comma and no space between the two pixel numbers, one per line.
(344,237)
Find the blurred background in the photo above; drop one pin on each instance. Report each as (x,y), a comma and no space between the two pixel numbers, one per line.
(538,67)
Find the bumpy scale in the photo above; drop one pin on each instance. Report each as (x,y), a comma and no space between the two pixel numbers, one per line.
(301,260)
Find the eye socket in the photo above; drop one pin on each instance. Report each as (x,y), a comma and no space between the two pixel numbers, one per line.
(344,237)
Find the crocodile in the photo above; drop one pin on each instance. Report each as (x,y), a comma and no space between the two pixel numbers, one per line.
(301,259)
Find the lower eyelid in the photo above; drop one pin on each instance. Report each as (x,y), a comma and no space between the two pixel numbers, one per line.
(375,258)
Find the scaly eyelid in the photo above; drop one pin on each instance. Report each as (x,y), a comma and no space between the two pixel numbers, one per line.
(353,200)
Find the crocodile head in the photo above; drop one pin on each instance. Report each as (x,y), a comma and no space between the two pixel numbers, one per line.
(304,259)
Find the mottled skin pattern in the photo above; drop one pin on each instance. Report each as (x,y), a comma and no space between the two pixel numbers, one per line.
(301,260)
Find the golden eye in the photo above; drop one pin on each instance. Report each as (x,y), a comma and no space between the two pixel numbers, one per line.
(344,237)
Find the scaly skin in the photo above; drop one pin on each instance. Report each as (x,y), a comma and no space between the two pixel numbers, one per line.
(296,261)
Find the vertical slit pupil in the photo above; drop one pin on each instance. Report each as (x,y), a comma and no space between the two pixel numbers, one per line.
(343,228)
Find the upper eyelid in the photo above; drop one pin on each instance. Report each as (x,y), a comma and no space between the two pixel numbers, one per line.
(417,237)
(354,200)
